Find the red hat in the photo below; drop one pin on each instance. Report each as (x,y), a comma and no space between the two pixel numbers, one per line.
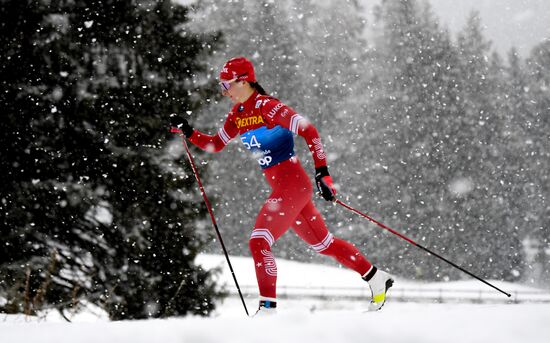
(238,68)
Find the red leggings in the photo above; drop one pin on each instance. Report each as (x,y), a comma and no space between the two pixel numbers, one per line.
(290,205)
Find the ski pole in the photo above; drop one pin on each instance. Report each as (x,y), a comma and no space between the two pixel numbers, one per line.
(192,162)
(418,245)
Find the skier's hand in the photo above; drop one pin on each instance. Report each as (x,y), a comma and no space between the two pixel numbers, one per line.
(179,124)
(324,184)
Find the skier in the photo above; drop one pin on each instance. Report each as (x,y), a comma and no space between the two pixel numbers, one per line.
(266,127)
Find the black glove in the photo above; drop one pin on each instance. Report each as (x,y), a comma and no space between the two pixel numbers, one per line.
(324,184)
(180,124)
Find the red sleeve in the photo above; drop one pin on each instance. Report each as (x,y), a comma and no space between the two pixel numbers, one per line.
(218,141)
(277,113)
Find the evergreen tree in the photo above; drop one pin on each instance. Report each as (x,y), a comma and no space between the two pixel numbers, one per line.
(515,108)
(95,206)
(537,148)
(512,107)
(486,217)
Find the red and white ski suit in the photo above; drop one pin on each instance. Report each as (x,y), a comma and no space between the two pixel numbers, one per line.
(266,127)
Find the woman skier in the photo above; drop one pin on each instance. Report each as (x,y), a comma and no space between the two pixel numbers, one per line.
(266,127)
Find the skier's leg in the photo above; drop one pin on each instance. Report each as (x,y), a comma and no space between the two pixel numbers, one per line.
(264,263)
(310,226)
(291,191)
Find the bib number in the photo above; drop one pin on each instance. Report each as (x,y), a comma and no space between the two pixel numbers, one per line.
(253,143)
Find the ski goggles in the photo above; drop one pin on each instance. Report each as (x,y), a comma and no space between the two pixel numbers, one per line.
(225,85)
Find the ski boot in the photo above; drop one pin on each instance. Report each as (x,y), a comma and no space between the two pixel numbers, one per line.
(379,282)
(266,308)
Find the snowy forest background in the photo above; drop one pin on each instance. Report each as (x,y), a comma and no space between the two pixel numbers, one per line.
(435,134)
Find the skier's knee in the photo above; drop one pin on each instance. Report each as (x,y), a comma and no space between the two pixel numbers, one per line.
(260,239)
(323,247)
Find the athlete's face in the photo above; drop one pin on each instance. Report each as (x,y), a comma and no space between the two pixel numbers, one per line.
(237,91)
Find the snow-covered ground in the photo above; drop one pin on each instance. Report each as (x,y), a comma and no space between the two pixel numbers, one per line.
(397,322)
(308,319)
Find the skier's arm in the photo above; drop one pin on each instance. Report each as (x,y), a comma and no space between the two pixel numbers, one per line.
(216,142)
(277,113)
(209,143)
